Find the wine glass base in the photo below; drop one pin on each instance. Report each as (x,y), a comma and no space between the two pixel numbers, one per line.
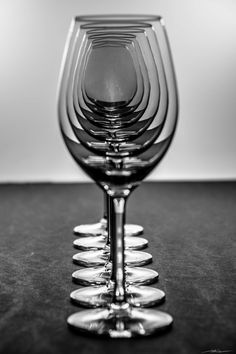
(105,322)
(101,257)
(101,296)
(99,242)
(133,230)
(101,275)
(96,229)
(99,228)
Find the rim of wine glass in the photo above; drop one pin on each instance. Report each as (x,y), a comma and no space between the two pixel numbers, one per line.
(118,17)
(128,21)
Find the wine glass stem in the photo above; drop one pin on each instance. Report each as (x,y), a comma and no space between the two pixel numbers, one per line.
(108,215)
(117,206)
(105,206)
(109,219)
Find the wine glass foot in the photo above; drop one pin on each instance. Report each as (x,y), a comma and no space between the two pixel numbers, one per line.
(99,242)
(101,296)
(95,229)
(101,275)
(105,322)
(133,230)
(99,228)
(101,257)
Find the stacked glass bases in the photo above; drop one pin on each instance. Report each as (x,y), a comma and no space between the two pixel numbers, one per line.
(118,113)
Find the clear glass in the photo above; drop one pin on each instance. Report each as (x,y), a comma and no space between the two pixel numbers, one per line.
(104,257)
(102,243)
(101,275)
(100,228)
(118,113)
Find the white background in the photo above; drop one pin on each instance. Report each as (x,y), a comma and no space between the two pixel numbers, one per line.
(202,35)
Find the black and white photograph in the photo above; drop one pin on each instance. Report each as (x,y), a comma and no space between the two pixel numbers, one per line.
(117,177)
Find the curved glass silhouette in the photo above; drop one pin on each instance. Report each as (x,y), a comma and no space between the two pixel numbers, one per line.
(118,110)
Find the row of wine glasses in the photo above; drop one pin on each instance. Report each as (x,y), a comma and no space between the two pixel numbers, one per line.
(117,112)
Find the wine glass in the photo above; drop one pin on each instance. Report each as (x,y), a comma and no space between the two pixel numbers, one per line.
(98,296)
(100,228)
(121,157)
(130,229)
(101,257)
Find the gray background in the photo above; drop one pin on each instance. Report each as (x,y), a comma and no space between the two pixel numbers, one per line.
(202,35)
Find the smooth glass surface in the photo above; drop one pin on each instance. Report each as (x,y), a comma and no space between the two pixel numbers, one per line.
(101,275)
(102,296)
(99,242)
(102,257)
(131,322)
(100,228)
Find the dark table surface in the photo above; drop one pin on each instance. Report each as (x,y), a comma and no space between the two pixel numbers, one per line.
(191,228)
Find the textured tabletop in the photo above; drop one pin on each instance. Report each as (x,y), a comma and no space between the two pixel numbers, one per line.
(191,228)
